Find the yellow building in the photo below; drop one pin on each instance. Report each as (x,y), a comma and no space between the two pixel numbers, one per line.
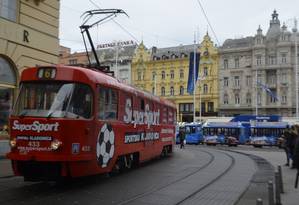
(28,37)
(164,72)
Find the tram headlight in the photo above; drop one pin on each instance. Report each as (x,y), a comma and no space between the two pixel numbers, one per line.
(13,143)
(55,144)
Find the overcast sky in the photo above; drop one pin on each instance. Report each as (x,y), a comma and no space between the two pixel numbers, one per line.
(165,23)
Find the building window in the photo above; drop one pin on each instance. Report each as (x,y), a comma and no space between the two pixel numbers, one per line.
(181,74)
(258,60)
(205,71)
(225,64)
(248,80)
(153,90)
(210,106)
(272,60)
(237,63)
(163,75)
(225,99)
(283,58)
(171,91)
(8,9)
(259,98)
(162,91)
(225,81)
(284,78)
(237,99)
(7,85)
(205,88)
(153,75)
(248,98)
(73,61)
(172,74)
(181,90)
(272,97)
(139,76)
(284,99)
(258,41)
(259,78)
(237,81)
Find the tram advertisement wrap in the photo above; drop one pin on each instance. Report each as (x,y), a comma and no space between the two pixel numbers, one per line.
(141,137)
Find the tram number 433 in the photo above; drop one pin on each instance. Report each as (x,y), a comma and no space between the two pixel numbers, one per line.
(33,144)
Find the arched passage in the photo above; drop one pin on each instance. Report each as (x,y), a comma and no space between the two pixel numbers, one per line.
(8,82)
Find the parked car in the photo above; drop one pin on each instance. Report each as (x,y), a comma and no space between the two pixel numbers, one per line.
(232,141)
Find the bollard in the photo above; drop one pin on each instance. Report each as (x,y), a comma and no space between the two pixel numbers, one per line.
(280,179)
(270,193)
(259,201)
(277,189)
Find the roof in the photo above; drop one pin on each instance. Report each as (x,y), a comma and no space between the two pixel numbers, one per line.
(222,125)
(270,125)
(238,43)
(177,50)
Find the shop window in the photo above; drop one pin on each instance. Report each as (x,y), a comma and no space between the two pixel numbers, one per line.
(7,85)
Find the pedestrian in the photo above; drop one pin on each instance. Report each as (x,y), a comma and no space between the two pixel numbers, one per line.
(292,143)
(296,157)
(283,145)
(182,137)
(296,147)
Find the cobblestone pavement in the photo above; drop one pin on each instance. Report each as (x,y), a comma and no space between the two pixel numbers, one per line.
(195,175)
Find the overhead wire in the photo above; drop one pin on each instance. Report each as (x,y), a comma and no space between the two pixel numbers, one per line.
(208,21)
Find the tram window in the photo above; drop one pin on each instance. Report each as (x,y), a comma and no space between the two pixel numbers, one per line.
(107,101)
(142,104)
(55,99)
(81,103)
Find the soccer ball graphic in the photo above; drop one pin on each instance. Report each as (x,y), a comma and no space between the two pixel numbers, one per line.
(105,145)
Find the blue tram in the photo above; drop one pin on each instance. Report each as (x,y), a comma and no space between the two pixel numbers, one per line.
(193,133)
(223,131)
(266,133)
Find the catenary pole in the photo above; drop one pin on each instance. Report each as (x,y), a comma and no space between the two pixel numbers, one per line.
(194,81)
(296,67)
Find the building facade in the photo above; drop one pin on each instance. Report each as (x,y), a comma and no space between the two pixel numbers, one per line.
(118,56)
(164,72)
(257,73)
(68,58)
(28,37)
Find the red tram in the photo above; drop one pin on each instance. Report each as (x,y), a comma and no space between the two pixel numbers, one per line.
(72,121)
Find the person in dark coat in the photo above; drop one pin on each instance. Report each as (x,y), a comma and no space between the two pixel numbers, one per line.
(296,147)
(292,142)
(182,137)
(283,144)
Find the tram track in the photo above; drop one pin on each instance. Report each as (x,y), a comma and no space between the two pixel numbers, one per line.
(233,162)
(212,157)
(38,193)
(45,190)
(185,199)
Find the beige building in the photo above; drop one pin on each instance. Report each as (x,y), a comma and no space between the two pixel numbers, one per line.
(28,37)
(68,58)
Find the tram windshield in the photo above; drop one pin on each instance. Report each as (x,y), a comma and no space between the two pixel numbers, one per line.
(70,100)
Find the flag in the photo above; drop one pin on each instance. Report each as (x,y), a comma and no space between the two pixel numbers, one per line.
(190,86)
(265,88)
